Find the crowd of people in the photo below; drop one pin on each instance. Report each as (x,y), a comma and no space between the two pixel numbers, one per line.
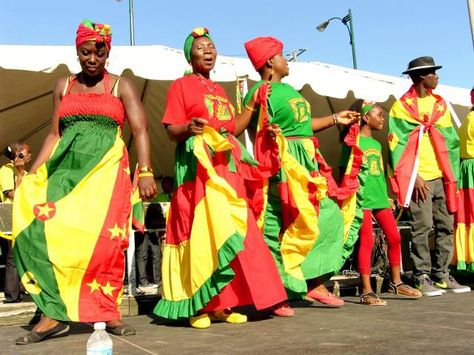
(242,229)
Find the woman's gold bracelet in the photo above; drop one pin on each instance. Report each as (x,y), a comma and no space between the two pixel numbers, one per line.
(140,175)
(145,169)
(253,109)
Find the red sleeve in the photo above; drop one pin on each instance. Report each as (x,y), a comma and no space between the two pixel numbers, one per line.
(175,112)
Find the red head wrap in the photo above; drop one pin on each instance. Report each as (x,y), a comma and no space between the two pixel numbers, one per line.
(472,96)
(261,49)
(97,32)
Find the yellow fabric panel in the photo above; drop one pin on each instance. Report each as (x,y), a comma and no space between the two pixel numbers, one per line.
(261,218)
(35,189)
(299,238)
(464,243)
(466,137)
(64,230)
(217,217)
(348,210)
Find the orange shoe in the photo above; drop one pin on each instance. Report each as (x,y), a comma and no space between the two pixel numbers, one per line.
(283,310)
(329,300)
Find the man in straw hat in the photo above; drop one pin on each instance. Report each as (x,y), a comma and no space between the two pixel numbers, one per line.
(423,171)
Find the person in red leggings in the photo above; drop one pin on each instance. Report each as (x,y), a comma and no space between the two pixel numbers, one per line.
(373,198)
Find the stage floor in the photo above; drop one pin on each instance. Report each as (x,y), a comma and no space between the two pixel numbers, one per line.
(437,325)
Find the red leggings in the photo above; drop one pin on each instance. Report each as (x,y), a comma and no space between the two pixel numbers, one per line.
(385,220)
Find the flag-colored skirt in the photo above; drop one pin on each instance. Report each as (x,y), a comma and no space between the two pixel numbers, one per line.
(71,223)
(214,255)
(319,252)
(463,258)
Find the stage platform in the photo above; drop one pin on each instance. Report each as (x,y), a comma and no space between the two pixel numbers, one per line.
(437,325)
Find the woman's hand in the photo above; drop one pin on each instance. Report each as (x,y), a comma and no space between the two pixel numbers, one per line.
(146,187)
(347,117)
(392,203)
(196,125)
(420,192)
(273,130)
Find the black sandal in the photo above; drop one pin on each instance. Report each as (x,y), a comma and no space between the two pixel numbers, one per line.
(121,330)
(35,337)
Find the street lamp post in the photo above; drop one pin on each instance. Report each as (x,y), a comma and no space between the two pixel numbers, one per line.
(350,28)
(131,21)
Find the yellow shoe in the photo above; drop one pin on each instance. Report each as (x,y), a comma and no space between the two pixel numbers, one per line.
(228,316)
(201,321)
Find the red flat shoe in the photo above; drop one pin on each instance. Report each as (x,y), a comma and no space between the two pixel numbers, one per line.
(283,310)
(329,300)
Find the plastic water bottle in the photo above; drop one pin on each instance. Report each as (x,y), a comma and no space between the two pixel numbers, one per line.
(99,342)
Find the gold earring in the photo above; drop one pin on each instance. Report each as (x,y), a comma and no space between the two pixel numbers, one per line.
(271,72)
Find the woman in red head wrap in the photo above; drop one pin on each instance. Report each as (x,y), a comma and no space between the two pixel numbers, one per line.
(214,256)
(302,226)
(71,215)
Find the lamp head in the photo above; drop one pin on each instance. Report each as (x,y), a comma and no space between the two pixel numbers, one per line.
(321,27)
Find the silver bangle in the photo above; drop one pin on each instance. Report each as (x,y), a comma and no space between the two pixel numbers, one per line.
(334,117)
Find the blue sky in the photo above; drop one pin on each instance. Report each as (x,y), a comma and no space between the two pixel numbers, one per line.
(387,33)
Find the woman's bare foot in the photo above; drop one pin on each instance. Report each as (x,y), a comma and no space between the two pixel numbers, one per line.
(45,324)
(114,323)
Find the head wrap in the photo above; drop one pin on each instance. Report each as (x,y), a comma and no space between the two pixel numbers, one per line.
(97,32)
(472,96)
(261,49)
(188,43)
(367,106)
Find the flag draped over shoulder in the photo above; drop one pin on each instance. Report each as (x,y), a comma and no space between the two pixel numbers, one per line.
(406,129)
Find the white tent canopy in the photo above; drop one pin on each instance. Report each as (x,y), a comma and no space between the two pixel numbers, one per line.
(28,73)
(164,63)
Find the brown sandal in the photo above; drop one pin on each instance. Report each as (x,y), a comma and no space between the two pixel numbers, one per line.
(371,299)
(402,289)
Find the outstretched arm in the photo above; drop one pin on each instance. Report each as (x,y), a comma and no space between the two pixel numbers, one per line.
(343,118)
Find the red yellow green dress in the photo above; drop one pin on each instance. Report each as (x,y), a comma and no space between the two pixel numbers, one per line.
(302,226)
(71,219)
(464,218)
(214,255)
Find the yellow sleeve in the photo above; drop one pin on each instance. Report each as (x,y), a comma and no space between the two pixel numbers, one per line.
(7,179)
(466,137)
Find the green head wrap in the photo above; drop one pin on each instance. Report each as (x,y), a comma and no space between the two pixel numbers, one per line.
(367,106)
(188,44)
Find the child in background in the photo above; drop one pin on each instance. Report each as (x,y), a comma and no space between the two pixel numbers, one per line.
(373,198)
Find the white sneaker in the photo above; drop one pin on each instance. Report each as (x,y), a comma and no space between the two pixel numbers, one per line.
(449,283)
